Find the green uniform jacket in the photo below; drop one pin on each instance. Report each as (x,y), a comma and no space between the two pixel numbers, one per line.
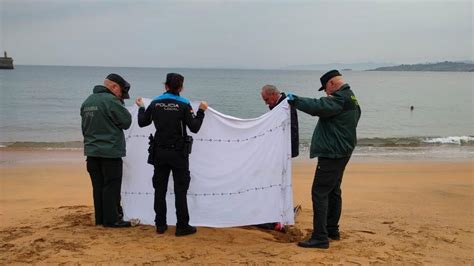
(335,134)
(103,120)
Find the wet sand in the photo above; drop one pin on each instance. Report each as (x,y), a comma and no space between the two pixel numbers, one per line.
(412,212)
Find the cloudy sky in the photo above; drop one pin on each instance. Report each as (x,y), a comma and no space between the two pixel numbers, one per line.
(247,34)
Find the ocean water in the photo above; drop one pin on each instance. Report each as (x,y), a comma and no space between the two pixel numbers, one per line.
(39,105)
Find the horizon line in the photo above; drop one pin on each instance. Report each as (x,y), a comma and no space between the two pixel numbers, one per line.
(286,68)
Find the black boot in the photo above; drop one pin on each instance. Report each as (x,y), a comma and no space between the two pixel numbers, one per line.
(313,243)
(119,224)
(161,229)
(184,231)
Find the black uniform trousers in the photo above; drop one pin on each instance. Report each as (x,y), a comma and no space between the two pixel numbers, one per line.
(106,177)
(326,196)
(167,160)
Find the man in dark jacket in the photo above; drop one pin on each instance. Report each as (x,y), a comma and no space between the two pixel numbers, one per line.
(272,97)
(333,141)
(103,120)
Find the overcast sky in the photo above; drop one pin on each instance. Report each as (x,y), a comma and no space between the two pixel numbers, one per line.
(248,34)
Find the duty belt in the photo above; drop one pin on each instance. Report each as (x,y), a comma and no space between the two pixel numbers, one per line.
(167,147)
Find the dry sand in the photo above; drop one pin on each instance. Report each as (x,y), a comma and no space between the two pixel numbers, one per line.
(417,212)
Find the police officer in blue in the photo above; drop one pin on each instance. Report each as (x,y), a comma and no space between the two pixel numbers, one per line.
(171,114)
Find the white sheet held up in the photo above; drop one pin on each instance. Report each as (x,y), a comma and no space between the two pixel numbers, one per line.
(240,171)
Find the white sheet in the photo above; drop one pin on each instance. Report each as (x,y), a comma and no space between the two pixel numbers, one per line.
(240,171)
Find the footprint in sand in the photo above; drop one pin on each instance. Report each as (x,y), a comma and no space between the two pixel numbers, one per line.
(14,233)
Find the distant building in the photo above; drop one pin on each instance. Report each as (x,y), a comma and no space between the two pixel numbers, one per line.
(6,62)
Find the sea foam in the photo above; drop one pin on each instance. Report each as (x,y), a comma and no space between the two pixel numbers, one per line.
(459,140)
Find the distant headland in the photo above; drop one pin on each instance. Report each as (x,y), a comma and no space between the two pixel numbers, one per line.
(445,66)
(6,62)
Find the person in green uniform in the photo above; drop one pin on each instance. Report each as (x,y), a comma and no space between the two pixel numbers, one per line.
(333,141)
(104,117)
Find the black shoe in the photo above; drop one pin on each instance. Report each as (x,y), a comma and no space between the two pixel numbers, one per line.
(335,236)
(120,212)
(267,226)
(161,229)
(188,230)
(119,224)
(313,243)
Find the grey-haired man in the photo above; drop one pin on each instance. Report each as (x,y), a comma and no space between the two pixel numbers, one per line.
(104,117)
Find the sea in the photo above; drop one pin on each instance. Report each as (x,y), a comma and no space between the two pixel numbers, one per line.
(39,105)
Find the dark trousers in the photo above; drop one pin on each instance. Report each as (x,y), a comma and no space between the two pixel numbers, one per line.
(165,162)
(326,196)
(106,177)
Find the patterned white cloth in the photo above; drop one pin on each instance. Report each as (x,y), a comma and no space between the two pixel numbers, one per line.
(240,171)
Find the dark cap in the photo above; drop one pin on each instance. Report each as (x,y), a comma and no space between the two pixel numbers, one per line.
(328,76)
(174,81)
(173,77)
(124,85)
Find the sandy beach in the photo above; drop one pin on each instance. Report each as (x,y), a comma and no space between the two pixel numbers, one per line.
(394,212)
